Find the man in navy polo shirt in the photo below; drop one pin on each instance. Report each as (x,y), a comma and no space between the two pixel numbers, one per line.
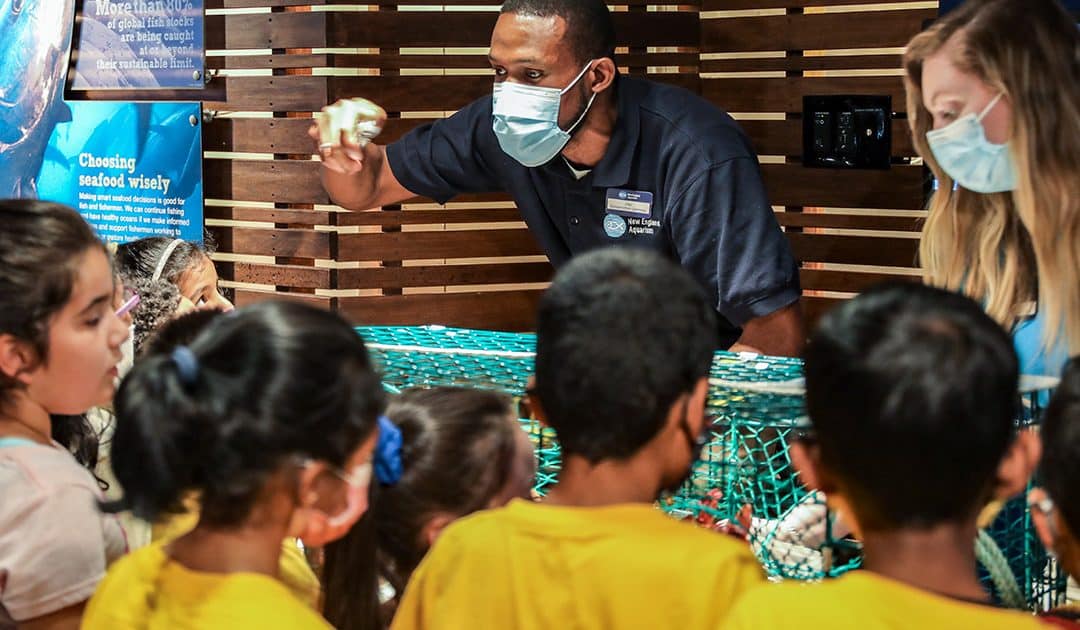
(593,158)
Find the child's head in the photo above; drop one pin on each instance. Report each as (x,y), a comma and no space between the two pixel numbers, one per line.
(625,339)
(1059,527)
(171,276)
(60,337)
(462,450)
(270,414)
(912,394)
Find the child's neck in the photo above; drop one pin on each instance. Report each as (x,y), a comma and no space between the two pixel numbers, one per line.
(608,482)
(940,559)
(25,419)
(245,549)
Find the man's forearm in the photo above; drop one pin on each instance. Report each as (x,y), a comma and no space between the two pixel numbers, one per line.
(780,333)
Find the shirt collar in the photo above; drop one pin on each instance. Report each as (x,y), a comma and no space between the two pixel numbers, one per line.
(614,168)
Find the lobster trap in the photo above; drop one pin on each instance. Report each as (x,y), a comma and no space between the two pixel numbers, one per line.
(744,479)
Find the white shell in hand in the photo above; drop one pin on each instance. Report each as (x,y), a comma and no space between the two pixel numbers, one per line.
(359,118)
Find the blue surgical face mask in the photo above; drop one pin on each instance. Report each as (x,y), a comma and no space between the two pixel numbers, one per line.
(965,154)
(526,120)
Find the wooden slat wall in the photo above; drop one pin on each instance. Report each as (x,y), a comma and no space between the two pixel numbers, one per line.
(849,229)
(473,263)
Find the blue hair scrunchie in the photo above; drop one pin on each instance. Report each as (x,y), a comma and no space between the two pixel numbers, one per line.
(388,466)
(186,364)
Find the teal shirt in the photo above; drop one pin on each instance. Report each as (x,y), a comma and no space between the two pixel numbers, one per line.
(1034,359)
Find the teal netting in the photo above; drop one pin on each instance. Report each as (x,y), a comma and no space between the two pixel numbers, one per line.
(744,478)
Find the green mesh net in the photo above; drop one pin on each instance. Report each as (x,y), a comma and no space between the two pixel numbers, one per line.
(744,479)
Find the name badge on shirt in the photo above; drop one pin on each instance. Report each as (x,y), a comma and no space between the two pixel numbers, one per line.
(629,203)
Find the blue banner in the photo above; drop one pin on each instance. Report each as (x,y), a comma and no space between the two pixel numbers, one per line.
(140,44)
(131,169)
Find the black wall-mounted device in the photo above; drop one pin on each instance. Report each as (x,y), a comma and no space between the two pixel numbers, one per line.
(849,131)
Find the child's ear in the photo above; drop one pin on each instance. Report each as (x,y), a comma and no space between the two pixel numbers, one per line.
(535,408)
(16,359)
(435,526)
(806,459)
(1017,466)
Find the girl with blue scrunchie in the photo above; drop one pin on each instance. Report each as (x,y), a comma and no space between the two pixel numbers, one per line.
(271,416)
(452,452)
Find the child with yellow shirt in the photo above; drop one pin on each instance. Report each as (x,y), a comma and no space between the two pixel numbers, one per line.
(625,340)
(271,415)
(911,394)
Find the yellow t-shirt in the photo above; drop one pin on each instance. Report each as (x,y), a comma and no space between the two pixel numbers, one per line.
(295,571)
(867,601)
(539,566)
(147,590)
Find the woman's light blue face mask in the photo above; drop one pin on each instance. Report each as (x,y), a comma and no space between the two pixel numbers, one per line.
(964,153)
(525,119)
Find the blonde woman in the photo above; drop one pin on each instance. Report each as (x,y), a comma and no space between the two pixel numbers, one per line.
(993,93)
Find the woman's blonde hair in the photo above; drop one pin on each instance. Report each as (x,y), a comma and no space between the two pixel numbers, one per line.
(1008,249)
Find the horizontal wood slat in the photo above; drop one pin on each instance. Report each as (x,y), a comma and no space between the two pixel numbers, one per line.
(847,281)
(393,93)
(871,29)
(245,297)
(297,181)
(798,63)
(445,275)
(393,61)
(497,310)
(293,243)
(900,187)
(785,94)
(395,29)
(289,135)
(425,245)
(854,250)
(279,275)
(849,221)
(734,5)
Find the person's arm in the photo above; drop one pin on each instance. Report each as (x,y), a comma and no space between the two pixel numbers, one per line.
(438,160)
(359,178)
(726,234)
(780,333)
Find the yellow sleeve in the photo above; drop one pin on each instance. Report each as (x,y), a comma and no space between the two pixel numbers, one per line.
(750,611)
(410,611)
(296,574)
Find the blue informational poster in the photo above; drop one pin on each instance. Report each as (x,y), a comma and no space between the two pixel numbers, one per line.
(140,44)
(132,169)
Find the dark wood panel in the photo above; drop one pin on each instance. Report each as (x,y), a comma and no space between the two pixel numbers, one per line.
(854,250)
(798,63)
(849,221)
(277,275)
(245,297)
(274,215)
(498,310)
(291,243)
(871,29)
(785,94)
(899,188)
(425,217)
(284,181)
(814,307)
(295,93)
(423,245)
(393,29)
(784,137)
(846,281)
(444,275)
(259,135)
